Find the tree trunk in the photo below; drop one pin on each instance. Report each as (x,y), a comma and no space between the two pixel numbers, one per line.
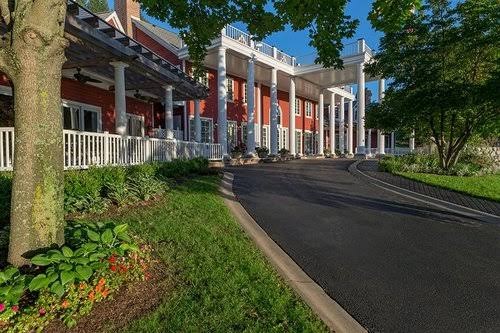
(37,216)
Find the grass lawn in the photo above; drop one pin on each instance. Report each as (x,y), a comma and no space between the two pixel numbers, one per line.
(487,186)
(222,283)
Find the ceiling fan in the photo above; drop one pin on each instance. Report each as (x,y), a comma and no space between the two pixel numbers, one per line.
(82,78)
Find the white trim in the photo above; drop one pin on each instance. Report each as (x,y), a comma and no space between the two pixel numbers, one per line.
(87,107)
(267,138)
(243,123)
(5,90)
(232,89)
(113,16)
(306,103)
(210,120)
(156,38)
(140,118)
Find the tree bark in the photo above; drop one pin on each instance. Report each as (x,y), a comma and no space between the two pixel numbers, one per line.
(38,44)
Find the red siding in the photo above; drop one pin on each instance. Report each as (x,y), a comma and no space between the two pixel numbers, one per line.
(156,47)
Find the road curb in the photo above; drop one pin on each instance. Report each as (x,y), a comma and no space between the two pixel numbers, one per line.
(448,206)
(332,314)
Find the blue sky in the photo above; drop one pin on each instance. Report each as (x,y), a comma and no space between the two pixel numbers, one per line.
(296,43)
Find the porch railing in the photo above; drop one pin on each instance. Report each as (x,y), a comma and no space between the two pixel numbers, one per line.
(85,149)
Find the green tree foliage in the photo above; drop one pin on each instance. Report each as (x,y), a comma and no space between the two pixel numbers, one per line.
(202,21)
(445,75)
(96,6)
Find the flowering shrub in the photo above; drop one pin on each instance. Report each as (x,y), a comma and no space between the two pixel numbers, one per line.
(64,283)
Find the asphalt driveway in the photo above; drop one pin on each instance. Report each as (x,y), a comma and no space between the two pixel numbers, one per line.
(396,265)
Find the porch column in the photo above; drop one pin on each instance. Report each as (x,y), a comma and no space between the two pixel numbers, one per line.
(222,100)
(332,123)
(291,109)
(274,112)
(169,112)
(361,110)
(197,121)
(251,107)
(350,148)
(369,143)
(412,141)
(341,126)
(120,98)
(321,110)
(258,107)
(185,119)
(380,134)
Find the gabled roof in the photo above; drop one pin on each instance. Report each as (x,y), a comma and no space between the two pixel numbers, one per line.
(112,18)
(167,36)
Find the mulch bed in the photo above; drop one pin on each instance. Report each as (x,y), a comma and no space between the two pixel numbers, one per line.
(128,304)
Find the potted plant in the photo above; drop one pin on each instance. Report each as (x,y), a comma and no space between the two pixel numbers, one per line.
(283,152)
(327,152)
(237,152)
(262,152)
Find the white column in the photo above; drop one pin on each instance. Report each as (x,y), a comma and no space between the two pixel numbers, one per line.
(185,128)
(361,109)
(258,109)
(350,120)
(274,112)
(321,108)
(120,98)
(222,100)
(291,109)
(412,141)
(369,143)
(251,107)
(169,112)
(197,121)
(332,123)
(380,134)
(341,126)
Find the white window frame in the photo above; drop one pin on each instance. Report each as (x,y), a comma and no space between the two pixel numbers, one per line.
(317,112)
(297,107)
(244,127)
(308,109)
(244,93)
(205,79)
(266,138)
(229,124)
(136,117)
(210,128)
(86,107)
(298,143)
(229,82)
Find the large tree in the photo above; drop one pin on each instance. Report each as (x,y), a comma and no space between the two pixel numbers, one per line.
(96,6)
(443,64)
(32,55)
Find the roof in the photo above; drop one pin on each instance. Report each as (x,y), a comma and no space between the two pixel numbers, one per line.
(168,36)
(104,15)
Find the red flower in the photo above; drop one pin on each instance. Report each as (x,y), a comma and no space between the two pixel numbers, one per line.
(65,304)
(15,308)
(113,268)
(112,259)
(105,293)
(91,295)
(123,268)
(42,312)
(2,307)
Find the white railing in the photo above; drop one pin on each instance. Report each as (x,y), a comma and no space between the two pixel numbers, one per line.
(6,148)
(160,133)
(397,151)
(85,149)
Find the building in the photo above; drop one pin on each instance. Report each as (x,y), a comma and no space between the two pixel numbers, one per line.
(122,81)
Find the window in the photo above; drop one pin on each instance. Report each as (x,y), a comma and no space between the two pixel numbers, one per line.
(135,125)
(244,133)
(297,107)
(204,79)
(283,138)
(308,109)
(316,111)
(308,143)
(232,134)
(244,93)
(81,117)
(206,130)
(298,141)
(230,90)
(265,136)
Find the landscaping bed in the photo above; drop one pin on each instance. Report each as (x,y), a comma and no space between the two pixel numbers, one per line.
(167,259)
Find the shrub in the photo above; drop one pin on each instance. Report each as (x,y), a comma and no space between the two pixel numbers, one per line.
(262,152)
(283,152)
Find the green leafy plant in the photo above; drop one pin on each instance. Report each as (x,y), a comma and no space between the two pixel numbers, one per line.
(283,152)
(262,152)
(12,286)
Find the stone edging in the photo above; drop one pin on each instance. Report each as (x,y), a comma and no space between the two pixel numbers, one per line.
(332,314)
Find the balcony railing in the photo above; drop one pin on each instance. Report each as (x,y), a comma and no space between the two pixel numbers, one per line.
(85,149)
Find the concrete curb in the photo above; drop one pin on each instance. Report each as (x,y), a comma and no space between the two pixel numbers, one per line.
(448,206)
(332,314)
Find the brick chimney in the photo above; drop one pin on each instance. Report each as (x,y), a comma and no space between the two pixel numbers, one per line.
(126,9)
